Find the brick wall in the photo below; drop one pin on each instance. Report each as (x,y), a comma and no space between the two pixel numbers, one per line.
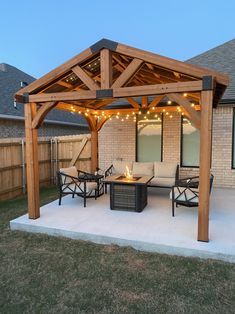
(15,128)
(222,147)
(117,140)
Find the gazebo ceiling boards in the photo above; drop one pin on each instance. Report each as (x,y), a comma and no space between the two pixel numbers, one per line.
(109,79)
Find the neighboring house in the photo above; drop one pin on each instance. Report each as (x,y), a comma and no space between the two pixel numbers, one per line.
(12,115)
(174,138)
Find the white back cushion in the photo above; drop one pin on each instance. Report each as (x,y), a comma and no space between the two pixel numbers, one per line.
(71,171)
(165,169)
(143,168)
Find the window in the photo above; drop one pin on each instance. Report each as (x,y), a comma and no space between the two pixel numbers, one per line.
(233,144)
(190,144)
(149,137)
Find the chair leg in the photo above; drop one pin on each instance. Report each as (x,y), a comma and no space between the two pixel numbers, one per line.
(173,202)
(95,194)
(73,195)
(60,200)
(84,200)
(105,188)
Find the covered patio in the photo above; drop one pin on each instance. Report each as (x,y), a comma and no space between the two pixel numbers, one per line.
(95,82)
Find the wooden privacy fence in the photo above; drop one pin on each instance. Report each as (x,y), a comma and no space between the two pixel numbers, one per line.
(53,153)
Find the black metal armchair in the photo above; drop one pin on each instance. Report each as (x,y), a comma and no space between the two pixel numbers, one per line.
(186,192)
(75,182)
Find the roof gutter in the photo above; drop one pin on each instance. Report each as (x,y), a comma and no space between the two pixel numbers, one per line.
(12,117)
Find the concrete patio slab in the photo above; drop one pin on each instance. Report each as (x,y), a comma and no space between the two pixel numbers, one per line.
(153,230)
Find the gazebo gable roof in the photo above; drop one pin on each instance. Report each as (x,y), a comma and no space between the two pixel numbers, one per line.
(131,67)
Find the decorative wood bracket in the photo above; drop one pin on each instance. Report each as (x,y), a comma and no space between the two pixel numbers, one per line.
(41,113)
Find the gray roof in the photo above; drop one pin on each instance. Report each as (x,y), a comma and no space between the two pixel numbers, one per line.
(222,59)
(10,80)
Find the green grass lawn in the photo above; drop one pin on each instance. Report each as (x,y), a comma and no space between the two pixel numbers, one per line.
(42,274)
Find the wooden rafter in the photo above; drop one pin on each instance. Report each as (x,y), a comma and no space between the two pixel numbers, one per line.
(156,101)
(87,80)
(171,64)
(191,113)
(56,73)
(127,74)
(133,102)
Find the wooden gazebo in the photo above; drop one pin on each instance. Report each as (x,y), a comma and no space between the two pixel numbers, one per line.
(91,83)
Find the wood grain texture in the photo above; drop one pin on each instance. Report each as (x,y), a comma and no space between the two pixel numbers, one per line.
(205,164)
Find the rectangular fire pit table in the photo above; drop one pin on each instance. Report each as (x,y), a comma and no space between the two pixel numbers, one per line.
(128,194)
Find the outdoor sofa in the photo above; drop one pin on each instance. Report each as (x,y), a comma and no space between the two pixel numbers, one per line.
(165,174)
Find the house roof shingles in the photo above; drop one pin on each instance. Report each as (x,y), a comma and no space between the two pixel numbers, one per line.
(10,79)
(222,59)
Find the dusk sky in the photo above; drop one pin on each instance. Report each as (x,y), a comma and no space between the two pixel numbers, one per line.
(37,36)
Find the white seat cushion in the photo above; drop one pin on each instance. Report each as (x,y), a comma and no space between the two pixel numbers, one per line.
(143,168)
(119,166)
(165,169)
(164,182)
(187,194)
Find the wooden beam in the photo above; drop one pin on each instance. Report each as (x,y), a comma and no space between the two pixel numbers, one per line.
(127,74)
(56,73)
(41,114)
(156,101)
(133,103)
(87,80)
(192,86)
(78,152)
(31,139)
(103,103)
(94,150)
(144,102)
(63,96)
(205,163)
(106,68)
(102,122)
(174,65)
(191,113)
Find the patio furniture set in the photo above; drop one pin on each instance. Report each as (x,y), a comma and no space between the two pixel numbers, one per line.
(129,182)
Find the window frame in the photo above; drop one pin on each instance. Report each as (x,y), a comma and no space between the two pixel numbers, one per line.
(181,148)
(136,138)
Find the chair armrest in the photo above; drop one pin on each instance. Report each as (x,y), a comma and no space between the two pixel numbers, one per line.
(109,171)
(188,182)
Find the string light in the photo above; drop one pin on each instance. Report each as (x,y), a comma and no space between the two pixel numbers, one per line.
(167,113)
(192,104)
(171,116)
(185,94)
(139,112)
(169,102)
(148,112)
(163,110)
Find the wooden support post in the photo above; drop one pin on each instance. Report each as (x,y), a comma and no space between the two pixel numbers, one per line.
(205,163)
(106,68)
(31,136)
(94,150)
